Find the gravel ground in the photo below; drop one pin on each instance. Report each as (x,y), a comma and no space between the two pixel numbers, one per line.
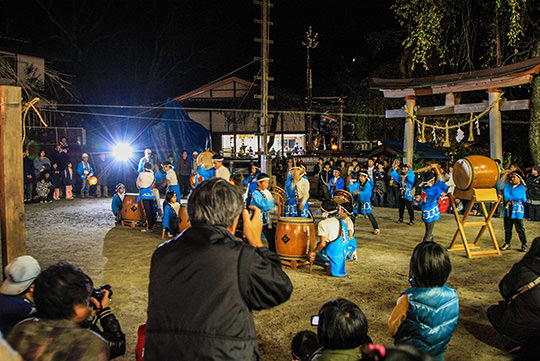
(83,232)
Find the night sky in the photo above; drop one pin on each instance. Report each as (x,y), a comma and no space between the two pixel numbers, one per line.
(109,47)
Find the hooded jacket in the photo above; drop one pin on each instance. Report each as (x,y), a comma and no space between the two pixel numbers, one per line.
(203,286)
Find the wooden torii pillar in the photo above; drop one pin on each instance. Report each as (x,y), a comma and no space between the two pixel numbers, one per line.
(11,172)
(490,80)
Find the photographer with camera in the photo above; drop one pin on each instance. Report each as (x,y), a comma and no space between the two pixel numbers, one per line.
(205,282)
(62,295)
(110,327)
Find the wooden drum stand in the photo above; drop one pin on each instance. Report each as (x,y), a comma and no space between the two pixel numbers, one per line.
(475,195)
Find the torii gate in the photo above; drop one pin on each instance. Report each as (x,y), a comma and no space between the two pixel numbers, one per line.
(492,80)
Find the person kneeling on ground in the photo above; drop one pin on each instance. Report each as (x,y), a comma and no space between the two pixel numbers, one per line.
(171,210)
(517,318)
(17,292)
(334,240)
(205,282)
(117,200)
(342,330)
(426,314)
(62,295)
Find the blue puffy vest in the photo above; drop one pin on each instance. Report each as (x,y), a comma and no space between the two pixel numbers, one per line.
(431,319)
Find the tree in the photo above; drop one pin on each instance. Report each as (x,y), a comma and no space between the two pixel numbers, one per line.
(459,35)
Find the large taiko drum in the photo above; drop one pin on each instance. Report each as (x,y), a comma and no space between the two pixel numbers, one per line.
(342,196)
(279,196)
(132,210)
(184,223)
(295,237)
(475,171)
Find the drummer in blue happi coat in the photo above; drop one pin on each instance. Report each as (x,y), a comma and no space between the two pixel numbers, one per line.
(262,198)
(433,187)
(362,190)
(405,179)
(515,194)
(297,191)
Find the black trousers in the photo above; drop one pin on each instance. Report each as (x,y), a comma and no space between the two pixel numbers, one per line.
(150,213)
(185,186)
(406,203)
(534,212)
(373,221)
(509,223)
(428,236)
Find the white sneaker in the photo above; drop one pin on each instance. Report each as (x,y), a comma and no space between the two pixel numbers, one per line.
(377,231)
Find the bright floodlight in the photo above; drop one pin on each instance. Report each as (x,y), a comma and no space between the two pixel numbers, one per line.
(122,151)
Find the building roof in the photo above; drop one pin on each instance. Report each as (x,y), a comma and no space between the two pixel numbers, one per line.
(500,77)
(421,150)
(229,88)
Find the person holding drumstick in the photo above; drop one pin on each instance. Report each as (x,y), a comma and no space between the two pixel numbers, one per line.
(431,191)
(405,178)
(515,195)
(263,199)
(336,183)
(297,190)
(362,192)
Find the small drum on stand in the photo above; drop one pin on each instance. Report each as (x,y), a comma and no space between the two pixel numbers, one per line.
(295,238)
(132,211)
(342,196)
(184,223)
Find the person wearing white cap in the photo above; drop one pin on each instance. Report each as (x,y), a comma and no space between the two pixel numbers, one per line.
(85,171)
(220,170)
(17,292)
(148,158)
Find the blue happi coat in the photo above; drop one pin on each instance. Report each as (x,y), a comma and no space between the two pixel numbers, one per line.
(518,195)
(429,203)
(335,252)
(265,205)
(116,204)
(340,184)
(362,200)
(291,208)
(409,182)
(206,173)
(169,216)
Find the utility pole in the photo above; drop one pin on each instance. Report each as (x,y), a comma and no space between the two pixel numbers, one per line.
(310,43)
(340,139)
(265,159)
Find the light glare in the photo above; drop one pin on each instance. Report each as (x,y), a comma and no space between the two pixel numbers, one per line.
(122,151)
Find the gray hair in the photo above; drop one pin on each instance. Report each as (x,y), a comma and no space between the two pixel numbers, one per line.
(215,202)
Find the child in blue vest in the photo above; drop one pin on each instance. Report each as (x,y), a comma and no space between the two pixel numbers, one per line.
(431,191)
(515,195)
(426,314)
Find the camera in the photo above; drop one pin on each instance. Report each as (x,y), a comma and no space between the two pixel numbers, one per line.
(96,292)
(314,320)
(239,232)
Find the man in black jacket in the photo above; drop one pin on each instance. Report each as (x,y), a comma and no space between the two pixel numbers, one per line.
(205,282)
(533,193)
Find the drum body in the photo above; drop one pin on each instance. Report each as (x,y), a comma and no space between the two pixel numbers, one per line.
(295,237)
(184,218)
(342,196)
(279,197)
(475,171)
(131,209)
